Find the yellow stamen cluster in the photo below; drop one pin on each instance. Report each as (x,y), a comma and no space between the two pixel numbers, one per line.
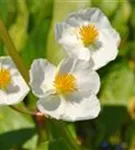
(5,78)
(65,83)
(88,34)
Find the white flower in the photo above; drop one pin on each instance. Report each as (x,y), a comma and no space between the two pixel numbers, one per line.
(88,33)
(13,88)
(67,92)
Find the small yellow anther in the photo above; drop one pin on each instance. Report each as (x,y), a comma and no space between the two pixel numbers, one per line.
(88,34)
(65,83)
(5,78)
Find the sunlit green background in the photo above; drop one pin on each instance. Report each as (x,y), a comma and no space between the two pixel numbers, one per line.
(31,26)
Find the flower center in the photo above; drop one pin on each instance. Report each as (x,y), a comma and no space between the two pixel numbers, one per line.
(65,83)
(89,34)
(5,78)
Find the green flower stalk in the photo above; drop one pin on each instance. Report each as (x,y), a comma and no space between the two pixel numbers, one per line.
(12,51)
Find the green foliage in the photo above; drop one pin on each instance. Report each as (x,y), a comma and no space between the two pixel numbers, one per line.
(15,129)
(114,90)
(15,138)
(54,144)
(12,120)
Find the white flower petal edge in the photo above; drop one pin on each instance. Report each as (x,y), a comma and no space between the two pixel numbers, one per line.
(41,74)
(52,106)
(17,89)
(74,86)
(106,44)
(87,108)
(74,110)
(107,52)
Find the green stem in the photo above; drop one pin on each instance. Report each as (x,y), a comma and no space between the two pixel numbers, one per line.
(69,136)
(41,128)
(39,119)
(26,112)
(12,51)
(65,133)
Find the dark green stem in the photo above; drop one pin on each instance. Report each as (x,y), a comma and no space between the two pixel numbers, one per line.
(65,133)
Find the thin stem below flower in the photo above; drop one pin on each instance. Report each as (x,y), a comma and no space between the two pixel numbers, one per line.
(27,112)
(64,131)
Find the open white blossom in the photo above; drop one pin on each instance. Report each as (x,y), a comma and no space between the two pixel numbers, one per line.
(88,34)
(66,92)
(13,88)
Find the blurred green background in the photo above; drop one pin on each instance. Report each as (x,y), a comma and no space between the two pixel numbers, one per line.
(31,26)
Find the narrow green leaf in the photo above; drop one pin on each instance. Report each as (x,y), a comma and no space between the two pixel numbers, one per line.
(39,23)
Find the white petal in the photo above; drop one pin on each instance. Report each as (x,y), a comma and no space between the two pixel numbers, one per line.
(87,80)
(84,53)
(116,36)
(70,64)
(79,53)
(108,50)
(18,89)
(60,28)
(17,92)
(3,98)
(41,76)
(69,39)
(66,65)
(91,15)
(51,106)
(84,109)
